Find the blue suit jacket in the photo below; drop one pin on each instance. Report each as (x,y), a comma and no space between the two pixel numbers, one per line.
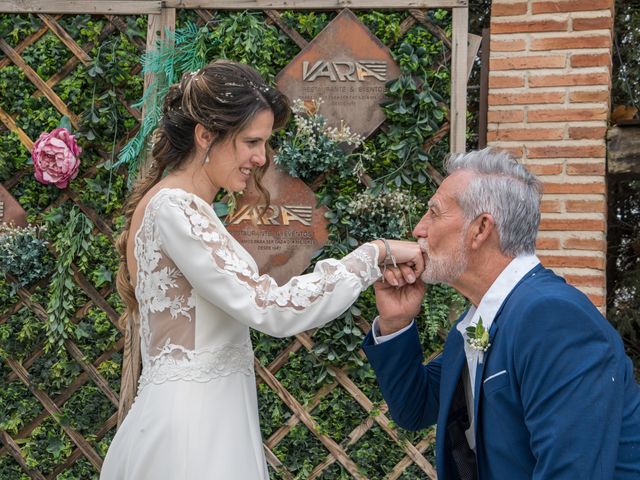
(555,395)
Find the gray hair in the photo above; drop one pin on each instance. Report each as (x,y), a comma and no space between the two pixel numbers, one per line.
(505,189)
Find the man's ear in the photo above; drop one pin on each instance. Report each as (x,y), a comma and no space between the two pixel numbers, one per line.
(203,137)
(483,229)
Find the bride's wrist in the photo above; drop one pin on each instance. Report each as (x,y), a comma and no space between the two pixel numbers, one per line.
(381,250)
(386,256)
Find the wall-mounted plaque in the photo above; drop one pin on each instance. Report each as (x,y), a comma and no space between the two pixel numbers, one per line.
(283,239)
(347,66)
(10,210)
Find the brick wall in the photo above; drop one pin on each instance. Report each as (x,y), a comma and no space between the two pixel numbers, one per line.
(549,93)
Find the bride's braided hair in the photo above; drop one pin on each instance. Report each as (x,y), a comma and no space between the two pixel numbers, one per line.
(224,97)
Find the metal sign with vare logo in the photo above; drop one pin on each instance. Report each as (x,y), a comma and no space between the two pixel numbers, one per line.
(346,66)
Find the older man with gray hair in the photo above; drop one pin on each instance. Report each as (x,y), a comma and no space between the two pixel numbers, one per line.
(533,382)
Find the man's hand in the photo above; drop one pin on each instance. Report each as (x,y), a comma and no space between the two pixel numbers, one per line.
(398,306)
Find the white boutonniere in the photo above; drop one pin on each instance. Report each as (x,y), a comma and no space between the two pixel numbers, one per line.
(478,338)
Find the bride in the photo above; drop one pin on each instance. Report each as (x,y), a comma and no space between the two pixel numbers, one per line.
(192,292)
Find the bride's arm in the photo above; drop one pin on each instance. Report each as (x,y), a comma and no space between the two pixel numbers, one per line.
(201,248)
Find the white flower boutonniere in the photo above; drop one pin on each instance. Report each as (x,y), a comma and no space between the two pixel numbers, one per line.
(478,337)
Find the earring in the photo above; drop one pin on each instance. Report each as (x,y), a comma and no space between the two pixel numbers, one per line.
(207,159)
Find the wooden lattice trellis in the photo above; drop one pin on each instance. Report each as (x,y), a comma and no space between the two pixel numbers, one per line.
(163,15)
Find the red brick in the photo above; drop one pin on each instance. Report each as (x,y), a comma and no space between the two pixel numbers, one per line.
(568,79)
(583,206)
(584,244)
(550,206)
(587,133)
(571,225)
(554,6)
(597,23)
(527,62)
(505,82)
(505,116)
(572,261)
(587,168)
(543,243)
(545,169)
(570,43)
(595,60)
(507,10)
(566,151)
(510,134)
(507,45)
(525,98)
(517,152)
(529,26)
(567,114)
(585,280)
(589,97)
(596,299)
(564,187)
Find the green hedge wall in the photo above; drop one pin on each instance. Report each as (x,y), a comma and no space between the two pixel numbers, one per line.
(99,93)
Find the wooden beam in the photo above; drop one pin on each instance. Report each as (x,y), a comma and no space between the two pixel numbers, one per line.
(435,30)
(313,4)
(293,34)
(14,449)
(459,70)
(292,403)
(113,7)
(56,414)
(38,82)
(65,38)
(623,150)
(10,123)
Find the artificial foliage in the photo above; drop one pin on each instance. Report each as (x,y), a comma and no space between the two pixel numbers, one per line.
(372,188)
(71,244)
(23,254)
(312,147)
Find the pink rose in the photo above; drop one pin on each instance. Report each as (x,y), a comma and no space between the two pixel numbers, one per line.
(55,157)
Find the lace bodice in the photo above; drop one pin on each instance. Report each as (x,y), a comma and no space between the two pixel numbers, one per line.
(198,291)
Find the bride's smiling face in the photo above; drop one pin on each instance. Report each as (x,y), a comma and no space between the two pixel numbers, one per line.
(232,162)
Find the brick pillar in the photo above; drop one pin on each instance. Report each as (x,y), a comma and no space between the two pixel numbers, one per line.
(549,94)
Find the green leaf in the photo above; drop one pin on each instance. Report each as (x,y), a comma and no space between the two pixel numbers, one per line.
(65,122)
(55,446)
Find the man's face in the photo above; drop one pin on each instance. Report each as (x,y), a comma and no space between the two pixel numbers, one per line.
(442,231)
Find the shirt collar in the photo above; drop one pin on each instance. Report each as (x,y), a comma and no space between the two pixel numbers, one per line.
(498,292)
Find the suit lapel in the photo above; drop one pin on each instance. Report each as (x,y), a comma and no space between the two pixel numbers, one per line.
(480,375)
(492,333)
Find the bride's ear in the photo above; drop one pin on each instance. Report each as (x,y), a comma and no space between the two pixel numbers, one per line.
(203,137)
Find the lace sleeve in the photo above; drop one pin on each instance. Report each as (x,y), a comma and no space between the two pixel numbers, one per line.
(222,272)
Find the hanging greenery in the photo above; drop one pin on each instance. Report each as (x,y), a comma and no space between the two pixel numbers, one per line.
(72,243)
(183,51)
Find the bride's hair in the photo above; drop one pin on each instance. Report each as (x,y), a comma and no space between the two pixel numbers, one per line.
(224,97)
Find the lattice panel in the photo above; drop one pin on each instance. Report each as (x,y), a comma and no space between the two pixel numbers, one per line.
(90,372)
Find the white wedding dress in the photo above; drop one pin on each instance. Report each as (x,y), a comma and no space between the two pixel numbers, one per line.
(196,413)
